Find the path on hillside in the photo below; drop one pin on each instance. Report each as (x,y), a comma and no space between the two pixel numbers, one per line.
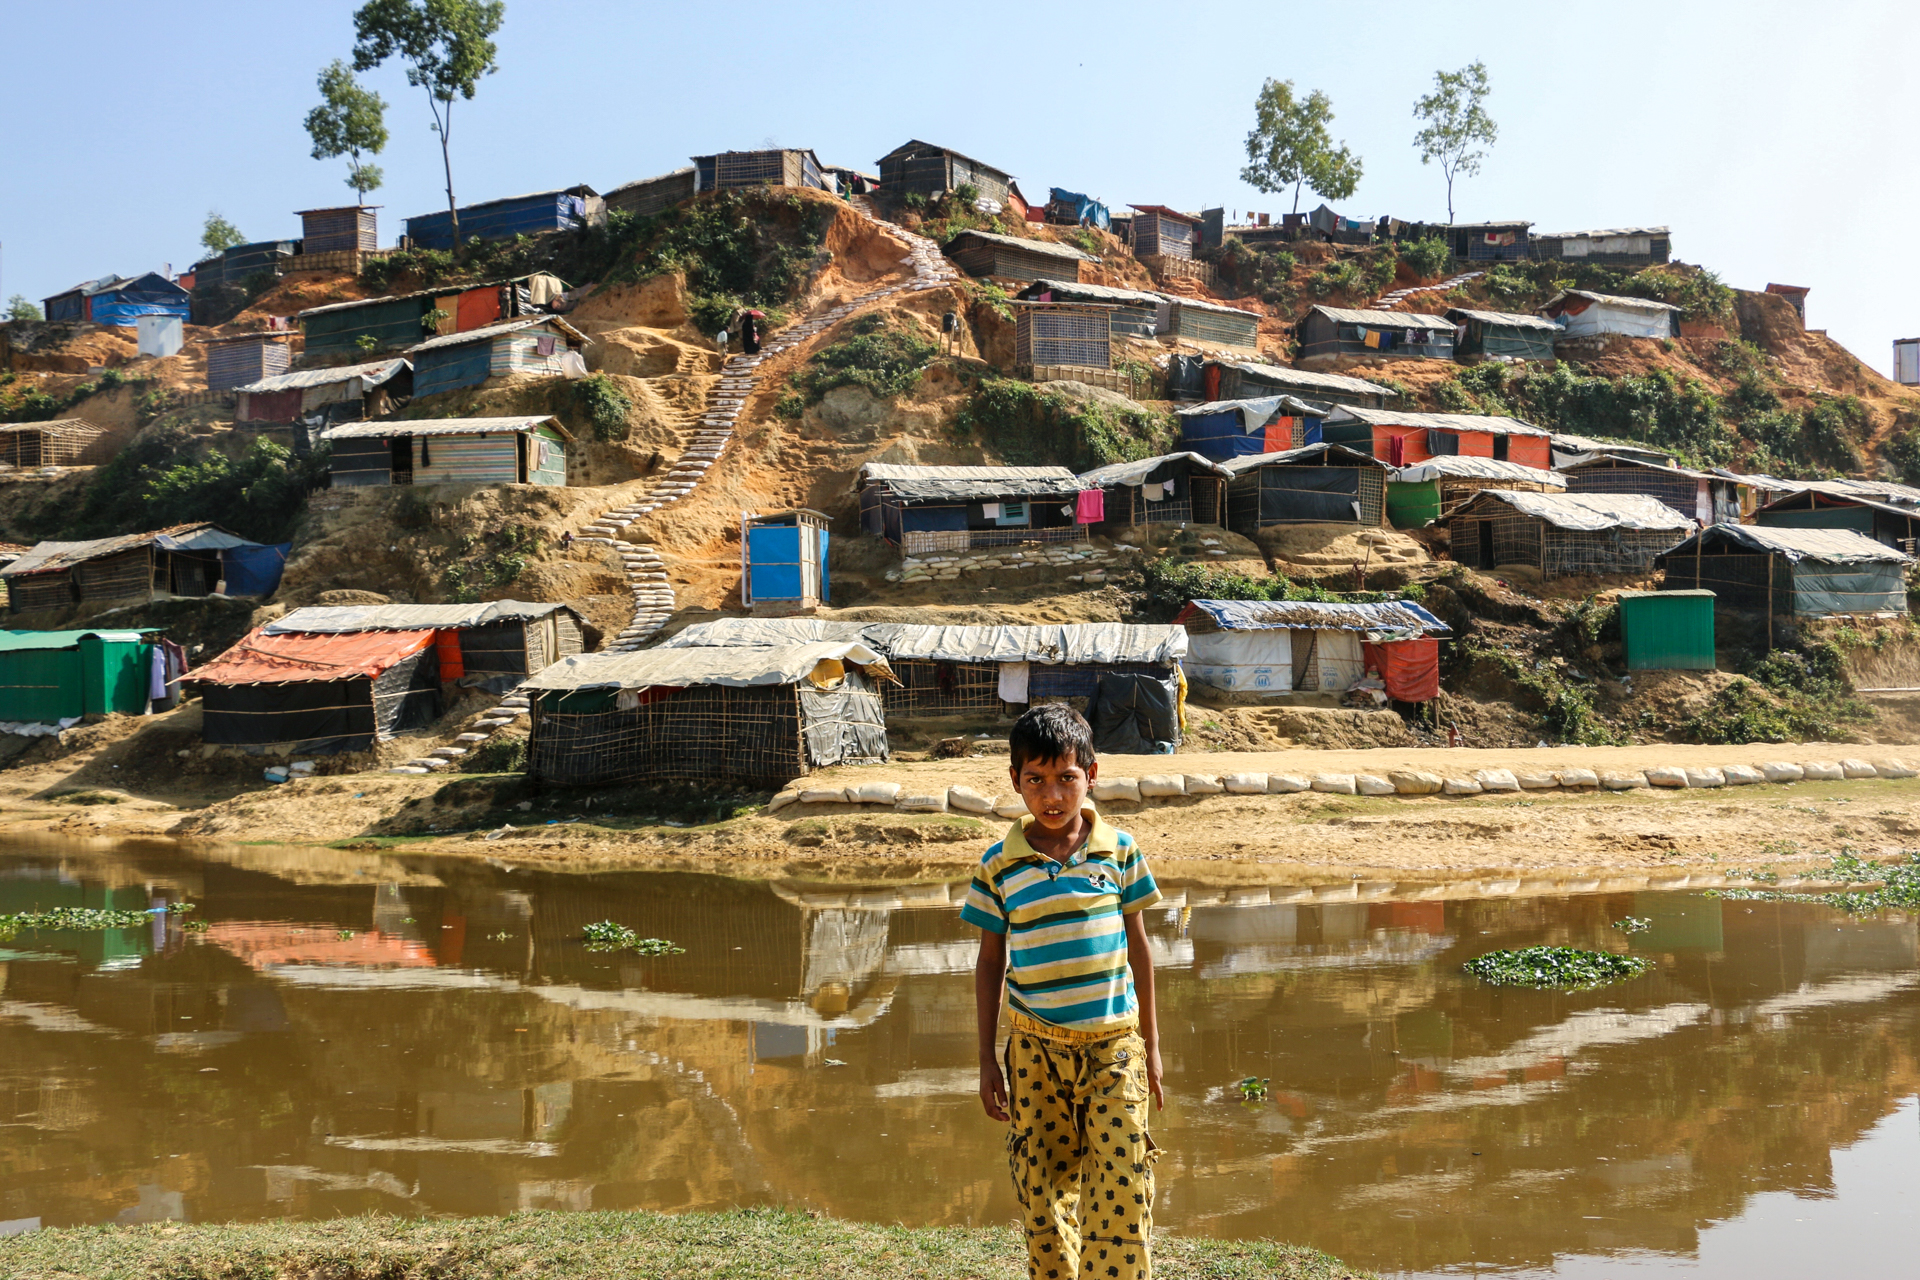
(1388,302)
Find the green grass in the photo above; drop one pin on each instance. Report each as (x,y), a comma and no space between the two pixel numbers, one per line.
(751,1244)
(1559,968)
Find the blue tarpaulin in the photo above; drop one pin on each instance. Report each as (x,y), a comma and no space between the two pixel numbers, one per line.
(500,219)
(148,295)
(1082,209)
(254,570)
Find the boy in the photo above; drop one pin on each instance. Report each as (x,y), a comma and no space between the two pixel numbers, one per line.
(1058,905)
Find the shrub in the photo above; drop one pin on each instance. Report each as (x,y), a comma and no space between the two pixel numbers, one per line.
(502,753)
(605,404)
(157,481)
(1031,426)
(1428,258)
(1739,358)
(886,359)
(1266,274)
(1337,277)
(790,406)
(737,248)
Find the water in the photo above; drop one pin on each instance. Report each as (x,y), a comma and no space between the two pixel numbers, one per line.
(353,1033)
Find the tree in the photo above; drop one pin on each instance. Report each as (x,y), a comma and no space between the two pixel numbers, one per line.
(1289,146)
(1458,128)
(18,308)
(218,235)
(349,120)
(446,46)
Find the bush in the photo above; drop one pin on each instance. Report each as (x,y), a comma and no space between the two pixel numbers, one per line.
(1266,274)
(1337,277)
(1557,968)
(1428,258)
(502,753)
(157,481)
(886,359)
(1031,426)
(605,405)
(737,248)
(1171,585)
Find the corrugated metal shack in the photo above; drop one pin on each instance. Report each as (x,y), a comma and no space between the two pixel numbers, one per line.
(523,450)
(1062,333)
(318,693)
(1489,241)
(561,209)
(921,168)
(753,716)
(352,228)
(491,646)
(184,560)
(399,321)
(1211,324)
(1581,313)
(932,509)
(785,167)
(1401,439)
(1281,647)
(983,253)
(1430,491)
(119,300)
(1805,573)
(1393,335)
(246,357)
(1249,380)
(63,442)
(50,676)
(1502,335)
(1132,313)
(1316,484)
(1162,232)
(1613,247)
(1564,533)
(1174,488)
(344,393)
(1224,429)
(649,196)
(536,346)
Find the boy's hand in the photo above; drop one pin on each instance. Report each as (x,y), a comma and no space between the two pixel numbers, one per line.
(993,1089)
(1153,1077)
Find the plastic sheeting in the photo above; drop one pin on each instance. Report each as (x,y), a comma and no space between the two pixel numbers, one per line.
(1820,589)
(1454,466)
(846,725)
(1074,643)
(1242,661)
(254,570)
(1593,512)
(680,668)
(1410,668)
(408,617)
(1135,715)
(1582,314)
(1312,615)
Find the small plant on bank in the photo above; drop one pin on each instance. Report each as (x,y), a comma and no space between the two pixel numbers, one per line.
(605,935)
(1428,258)
(1899,884)
(790,406)
(886,359)
(502,753)
(1555,968)
(605,405)
(1633,924)
(1253,1088)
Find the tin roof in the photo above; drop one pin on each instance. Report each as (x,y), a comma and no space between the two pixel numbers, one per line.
(1454,464)
(1383,319)
(493,331)
(1304,377)
(1512,319)
(1015,242)
(1336,455)
(1131,473)
(1202,616)
(441,292)
(1073,642)
(890,471)
(1165,212)
(1839,546)
(1096,292)
(1603,232)
(337,208)
(441,427)
(913,144)
(1203,304)
(1611,300)
(265,658)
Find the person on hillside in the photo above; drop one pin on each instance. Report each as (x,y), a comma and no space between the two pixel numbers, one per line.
(1058,904)
(720,341)
(749,334)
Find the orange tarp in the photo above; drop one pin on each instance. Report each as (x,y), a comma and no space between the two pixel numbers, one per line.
(288,659)
(1410,668)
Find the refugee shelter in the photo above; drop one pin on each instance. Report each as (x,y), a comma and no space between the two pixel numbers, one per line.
(1613,247)
(784,561)
(184,560)
(318,693)
(561,209)
(931,509)
(1501,335)
(1314,484)
(402,320)
(1667,630)
(779,167)
(755,717)
(235,265)
(1395,335)
(1251,380)
(1569,450)
(343,393)
(920,168)
(1162,232)
(246,357)
(1582,313)
(1431,491)
(491,646)
(1564,533)
(1130,312)
(1401,439)
(1803,573)
(537,346)
(1276,648)
(1698,495)
(1906,361)
(1054,334)
(1820,506)
(1488,241)
(1210,324)
(1071,209)
(1225,429)
(119,300)
(519,450)
(1174,488)
(347,228)
(649,196)
(983,253)
(47,677)
(63,442)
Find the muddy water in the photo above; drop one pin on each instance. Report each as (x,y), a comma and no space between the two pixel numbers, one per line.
(352,1033)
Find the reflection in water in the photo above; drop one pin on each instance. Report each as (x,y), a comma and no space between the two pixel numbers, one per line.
(443,1043)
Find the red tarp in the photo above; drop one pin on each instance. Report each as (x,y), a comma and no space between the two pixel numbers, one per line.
(1411,668)
(478,308)
(289,659)
(453,663)
(273,406)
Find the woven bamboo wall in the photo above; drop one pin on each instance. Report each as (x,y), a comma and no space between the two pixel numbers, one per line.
(1063,334)
(707,733)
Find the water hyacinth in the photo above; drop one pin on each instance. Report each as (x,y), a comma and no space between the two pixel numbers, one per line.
(82,919)
(1898,885)
(1559,968)
(605,935)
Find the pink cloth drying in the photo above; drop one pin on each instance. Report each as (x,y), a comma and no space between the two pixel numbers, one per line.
(1092,506)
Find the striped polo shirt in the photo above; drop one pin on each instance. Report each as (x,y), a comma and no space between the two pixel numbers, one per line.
(1067,949)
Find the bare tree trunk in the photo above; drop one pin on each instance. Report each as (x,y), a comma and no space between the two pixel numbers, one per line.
(453,210)
(1296,194)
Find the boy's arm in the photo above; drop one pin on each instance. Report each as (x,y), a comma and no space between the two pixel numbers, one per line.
(989,978)
(1140,960)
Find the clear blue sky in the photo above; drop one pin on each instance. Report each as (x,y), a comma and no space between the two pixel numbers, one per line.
(1768,135)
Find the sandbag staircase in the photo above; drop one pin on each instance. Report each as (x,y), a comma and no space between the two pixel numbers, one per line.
(1392,300)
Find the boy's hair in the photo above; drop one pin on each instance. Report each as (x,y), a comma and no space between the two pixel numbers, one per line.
(1053,732)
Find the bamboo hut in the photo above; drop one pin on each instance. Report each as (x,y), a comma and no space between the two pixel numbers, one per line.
(490,646)
(1131,313)
(1222,430)
(1211,324)
(1501,335)
(1327,332)
(343,393)
(246,357)
(1251,380)
(1823,505)
(983,253)
(1489,241)
(1698,495)
(520,450)
(63,442)
(920,168)
(1581,313)
(350,228)
(1055,334)
(1797,573)
(1430,492)
(932,509)
(533,346)
(1564,533)
(561,209)
(1277,648)
(1162,232)
(318,693)
(1401,439)
(352,329)
(1174,488)
(779,167)
(1611,247)
(184,560)
(1315,484)
(649,196)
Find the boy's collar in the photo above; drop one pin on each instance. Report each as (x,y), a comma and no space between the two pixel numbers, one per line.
(1101,838)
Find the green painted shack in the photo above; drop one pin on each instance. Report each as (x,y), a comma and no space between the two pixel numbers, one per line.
(1667,630)
(50,676)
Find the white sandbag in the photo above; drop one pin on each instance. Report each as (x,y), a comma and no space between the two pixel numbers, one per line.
(935,803)
(1414,782)
(823,795)
(1339,784)
(782,800)
(1245,784)
(1893,769)
(1496,779)
(1706,777)
(1578,778)
(967,800)
(1368,784)
(1622,780)
(1285,784)
(1858,769)
(1667,775)
(1010,807)
(876,793)
(1461,787)
(1203,784)
(1116,789)
(1537,780)
(1743,775)
(1157,786)
(1823,771)
(1782,771)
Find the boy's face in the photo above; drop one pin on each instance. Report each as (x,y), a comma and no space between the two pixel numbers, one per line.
(1055,790)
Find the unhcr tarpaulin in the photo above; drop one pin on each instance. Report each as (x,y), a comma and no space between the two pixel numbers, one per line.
(254,570)
(1078,643)
(740,667)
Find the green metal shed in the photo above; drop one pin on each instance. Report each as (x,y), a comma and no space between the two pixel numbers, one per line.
(1667,630)
(49,676)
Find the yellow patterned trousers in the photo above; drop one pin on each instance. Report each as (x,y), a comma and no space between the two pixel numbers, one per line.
(1080,1153)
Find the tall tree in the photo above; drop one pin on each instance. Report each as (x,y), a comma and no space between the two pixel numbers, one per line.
(217,235)
(447,47)
(349,120)
(1458,129)
(1289,146)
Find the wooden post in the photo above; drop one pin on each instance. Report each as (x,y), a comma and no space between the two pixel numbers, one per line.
(1769,603)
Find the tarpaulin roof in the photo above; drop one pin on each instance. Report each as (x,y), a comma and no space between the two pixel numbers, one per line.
(1337,455)
(1015,242)
(58,426)
(1254,413)
(969,483)
(442,427)
(1512,319)
(1591,512)
(1096,292)
(1610,300)
(1131,473)
(15,641)
(262,658)
(1075,642)
(737,667)
(50,557)
(1453,464)
(1607,231)
(1314,615)
(493,331)
(1489,423)
(1165,212)
(1304,377)
(1179,300)
(1383,319)
(1837,546)
(408,617)
(1590,444)
(371,375)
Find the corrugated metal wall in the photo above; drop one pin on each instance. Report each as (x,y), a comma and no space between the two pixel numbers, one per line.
(520,353)
(235,364)
(477,459)
(500,220)
(450,368)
